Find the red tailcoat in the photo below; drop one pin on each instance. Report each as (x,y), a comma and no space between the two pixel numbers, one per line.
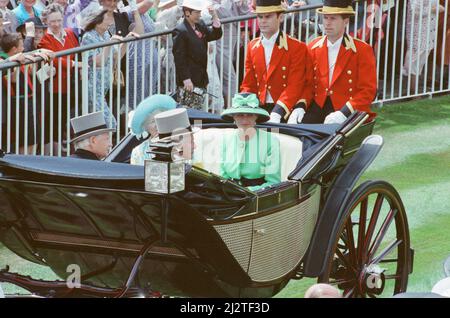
(288,78)
(354,82)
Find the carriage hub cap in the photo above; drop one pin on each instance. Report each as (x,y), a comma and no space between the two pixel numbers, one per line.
(372,280)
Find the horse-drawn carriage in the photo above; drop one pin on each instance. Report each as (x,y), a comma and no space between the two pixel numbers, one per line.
(215,238)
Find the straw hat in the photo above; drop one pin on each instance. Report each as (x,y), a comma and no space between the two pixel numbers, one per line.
(269,6)
(337,7)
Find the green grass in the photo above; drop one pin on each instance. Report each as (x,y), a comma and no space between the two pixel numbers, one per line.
(416,160)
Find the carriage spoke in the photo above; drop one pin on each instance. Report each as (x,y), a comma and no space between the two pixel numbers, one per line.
(349,293)
(386,252)
(389,260)
(341,281)
(372,225)
(351,244)
(345,260)
(382,232)
(362,229)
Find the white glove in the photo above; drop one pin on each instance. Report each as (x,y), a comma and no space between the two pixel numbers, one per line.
(275,118)
(335,118)
(296,116)
(133,5)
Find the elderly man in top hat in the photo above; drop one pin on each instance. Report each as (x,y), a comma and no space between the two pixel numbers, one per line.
(278,67)
(345,77)
(91,136)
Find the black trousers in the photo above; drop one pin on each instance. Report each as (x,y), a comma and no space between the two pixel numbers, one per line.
(316,114)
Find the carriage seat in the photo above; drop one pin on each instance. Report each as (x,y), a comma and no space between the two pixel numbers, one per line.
(208,143)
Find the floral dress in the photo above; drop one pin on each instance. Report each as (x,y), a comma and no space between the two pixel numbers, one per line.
(140,154)
(99,78)
(143,60)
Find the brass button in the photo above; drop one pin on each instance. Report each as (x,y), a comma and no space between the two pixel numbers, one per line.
(326,89)
(315,86)
(331,92)
(270,87)
(350,81)
(351,97)
(284,68)
(350,89)
(315,68)
(284,76)
(284,85)
(315,94)
(349,72)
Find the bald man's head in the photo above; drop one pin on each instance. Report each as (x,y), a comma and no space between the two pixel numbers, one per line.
(323,291)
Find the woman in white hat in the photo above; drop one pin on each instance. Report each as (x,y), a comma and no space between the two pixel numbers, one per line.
(250,156)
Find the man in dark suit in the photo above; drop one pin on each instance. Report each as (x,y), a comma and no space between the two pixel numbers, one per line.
(190,49)
(91,136)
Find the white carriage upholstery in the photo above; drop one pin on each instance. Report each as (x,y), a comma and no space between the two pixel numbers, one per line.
(208,143)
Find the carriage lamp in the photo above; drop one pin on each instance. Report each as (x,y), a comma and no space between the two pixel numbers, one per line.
(165,172)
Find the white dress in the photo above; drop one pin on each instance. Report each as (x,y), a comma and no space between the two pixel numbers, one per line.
(420,34)
(214,89)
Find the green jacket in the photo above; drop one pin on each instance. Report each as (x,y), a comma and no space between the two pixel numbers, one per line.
(256,158)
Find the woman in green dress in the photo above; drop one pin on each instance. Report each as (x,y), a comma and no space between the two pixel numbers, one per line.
(250,156)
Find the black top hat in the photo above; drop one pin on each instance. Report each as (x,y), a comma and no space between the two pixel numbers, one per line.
(37,24)
(269,6)
(336,7)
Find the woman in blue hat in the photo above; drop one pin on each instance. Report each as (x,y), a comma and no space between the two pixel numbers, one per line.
(143,123)
(250,156)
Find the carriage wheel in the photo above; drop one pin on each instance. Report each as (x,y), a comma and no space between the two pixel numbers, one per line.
(371,254)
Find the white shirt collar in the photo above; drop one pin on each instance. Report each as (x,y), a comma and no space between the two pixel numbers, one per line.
(270,40)
(335,44)
(64,34)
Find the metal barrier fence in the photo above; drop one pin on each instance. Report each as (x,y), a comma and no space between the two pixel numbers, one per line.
(409,40)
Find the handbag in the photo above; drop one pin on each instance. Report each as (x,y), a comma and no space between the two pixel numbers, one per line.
(194,99)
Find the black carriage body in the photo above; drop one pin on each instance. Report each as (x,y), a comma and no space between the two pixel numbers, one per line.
(222,239)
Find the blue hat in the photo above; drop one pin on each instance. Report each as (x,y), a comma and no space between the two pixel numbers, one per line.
(147,107)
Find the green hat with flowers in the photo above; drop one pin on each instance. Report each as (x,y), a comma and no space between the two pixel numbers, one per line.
(245,103)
